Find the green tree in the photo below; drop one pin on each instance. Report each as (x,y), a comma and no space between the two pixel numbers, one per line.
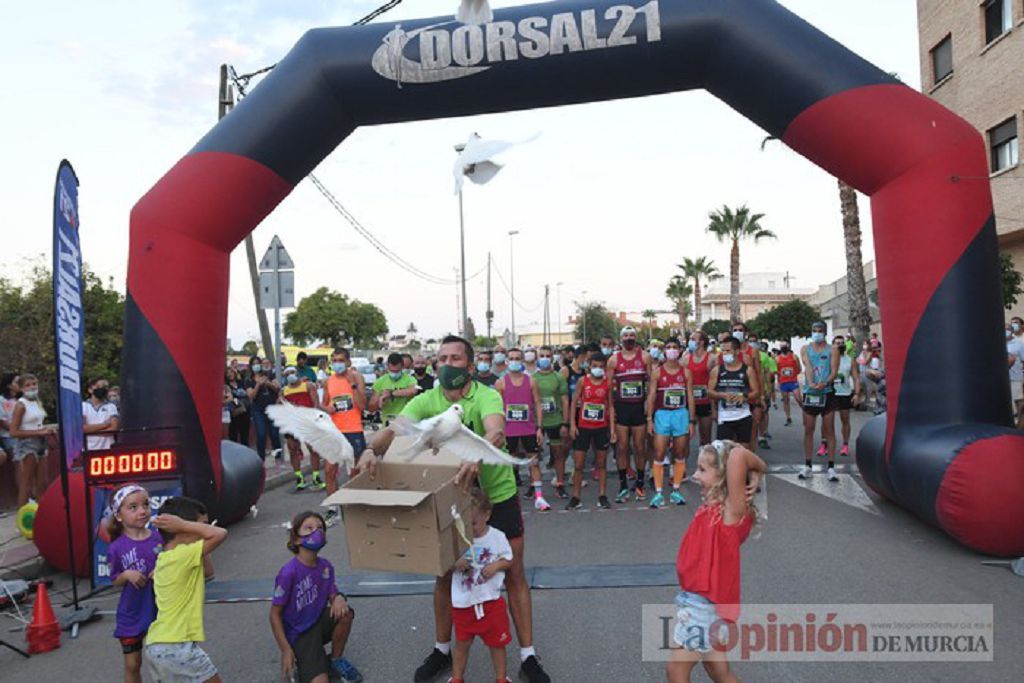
(696,270)
(480,342)
(1013,281)
(715,327)
(26,329)
(594,321)
(331,317)
(649,315)
(731,226)
(679,292)
(791,319)
(251,348)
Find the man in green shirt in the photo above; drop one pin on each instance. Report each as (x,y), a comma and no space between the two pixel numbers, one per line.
(554,400)
(769,368)
(484,413)
(392,390)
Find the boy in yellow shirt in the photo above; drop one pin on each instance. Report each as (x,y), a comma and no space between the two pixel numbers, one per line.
(172,643)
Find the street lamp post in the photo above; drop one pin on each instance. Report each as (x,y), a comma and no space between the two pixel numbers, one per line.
(558,289)
(584,314)
(462,253)
(512,282)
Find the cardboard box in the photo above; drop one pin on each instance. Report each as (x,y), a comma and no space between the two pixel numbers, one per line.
(402,520)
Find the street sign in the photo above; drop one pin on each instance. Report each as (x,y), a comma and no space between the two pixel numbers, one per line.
(277,257)
(269,291)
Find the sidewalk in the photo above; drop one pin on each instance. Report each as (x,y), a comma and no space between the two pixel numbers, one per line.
(19,558)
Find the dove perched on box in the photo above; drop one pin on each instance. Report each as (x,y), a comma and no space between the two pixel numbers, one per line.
(316,429)
(447,431)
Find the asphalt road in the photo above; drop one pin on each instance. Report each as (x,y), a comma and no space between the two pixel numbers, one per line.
(813,548)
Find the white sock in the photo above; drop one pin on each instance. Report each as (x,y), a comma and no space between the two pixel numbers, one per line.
(526,652)
(443,648)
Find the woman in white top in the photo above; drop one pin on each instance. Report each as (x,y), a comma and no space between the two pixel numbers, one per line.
(30,441)
(847,390)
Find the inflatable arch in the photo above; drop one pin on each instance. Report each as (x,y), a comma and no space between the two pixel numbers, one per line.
(944,450)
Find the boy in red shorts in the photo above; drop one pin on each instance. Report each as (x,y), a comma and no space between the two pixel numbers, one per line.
(477,606)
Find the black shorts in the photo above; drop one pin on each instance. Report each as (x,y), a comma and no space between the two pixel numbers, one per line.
(843,402)
(310,658)
(599,438)
(132,644)
(507,517)
(818,411)
(554,434)
(521,444)
(358,442)
(736,430)
(629,414)
(703,410)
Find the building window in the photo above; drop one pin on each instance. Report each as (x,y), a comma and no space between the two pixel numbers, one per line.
(942,59)
(998,18)
(1002,140)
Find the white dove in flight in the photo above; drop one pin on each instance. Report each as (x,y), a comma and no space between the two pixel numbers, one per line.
(447,431)
(315,428)
(475,12)
(475,160)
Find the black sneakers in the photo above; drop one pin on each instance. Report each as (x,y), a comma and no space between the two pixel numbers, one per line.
(433,666)
(532,672)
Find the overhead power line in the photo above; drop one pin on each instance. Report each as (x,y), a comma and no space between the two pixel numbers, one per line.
(501,278)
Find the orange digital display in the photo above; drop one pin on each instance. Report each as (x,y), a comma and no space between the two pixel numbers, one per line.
(132,465)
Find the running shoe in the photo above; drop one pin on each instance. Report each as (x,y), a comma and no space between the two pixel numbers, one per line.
(639,491)
(532,672)
(832,476)
(300,482)
(763,443)
(622,496)
(602,502)
(561,492)
(804,472)
(658,500)
(318,484)
(845,450)
(823,449)
(768,436)
(789,421)
(528,493)
(540,504)
(346,670)
(574,504)
(433,666)
(677,498)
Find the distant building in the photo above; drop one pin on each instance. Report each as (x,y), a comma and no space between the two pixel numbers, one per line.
(833,301)
(758,292)
(972,55)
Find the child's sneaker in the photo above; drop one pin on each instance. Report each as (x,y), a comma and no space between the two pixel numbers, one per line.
(845,450)
(346,670)
(823,449)
(540,504)
(658,500)
(677,498)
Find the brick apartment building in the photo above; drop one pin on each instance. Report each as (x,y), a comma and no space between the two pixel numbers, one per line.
(972,61)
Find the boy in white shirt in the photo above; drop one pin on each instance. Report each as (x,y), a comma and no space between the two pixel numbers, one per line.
(477,606)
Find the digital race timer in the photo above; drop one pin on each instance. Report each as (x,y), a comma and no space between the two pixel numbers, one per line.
(104,467)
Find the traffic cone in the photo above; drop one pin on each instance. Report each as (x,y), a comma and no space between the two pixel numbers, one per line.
(43,634)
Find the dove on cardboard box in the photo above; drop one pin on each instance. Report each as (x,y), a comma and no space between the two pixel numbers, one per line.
(402,520)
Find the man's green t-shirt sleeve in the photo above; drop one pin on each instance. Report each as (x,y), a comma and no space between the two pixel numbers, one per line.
(419,407)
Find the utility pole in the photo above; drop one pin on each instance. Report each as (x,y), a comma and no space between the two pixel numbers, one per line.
(512,283)
(558,285)
(490,313)
(458,306)
(226,101)
(547,315)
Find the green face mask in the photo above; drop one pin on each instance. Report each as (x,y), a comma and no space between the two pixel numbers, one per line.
(451,377)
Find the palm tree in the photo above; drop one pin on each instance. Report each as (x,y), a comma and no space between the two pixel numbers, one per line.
(679,292)
(649,315)
(732,226)
(695,269)
(860,315)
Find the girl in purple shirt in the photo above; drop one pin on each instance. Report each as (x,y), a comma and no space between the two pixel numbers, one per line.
(132,557)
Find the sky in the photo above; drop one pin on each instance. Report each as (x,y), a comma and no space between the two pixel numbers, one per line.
(607,199)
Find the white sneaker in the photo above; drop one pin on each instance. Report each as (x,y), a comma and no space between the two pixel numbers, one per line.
(832,476)
(540,504)
(805,472)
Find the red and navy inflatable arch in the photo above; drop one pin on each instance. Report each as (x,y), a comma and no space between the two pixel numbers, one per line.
(944,450)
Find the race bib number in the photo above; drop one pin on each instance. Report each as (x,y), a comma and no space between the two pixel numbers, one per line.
(815,400)
(517,412)
(631,389)
(787,373)
(342,403)
(700,393)
(675,398)
(593,412)
(547,404)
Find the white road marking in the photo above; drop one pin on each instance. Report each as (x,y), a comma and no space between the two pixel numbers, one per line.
(846,490)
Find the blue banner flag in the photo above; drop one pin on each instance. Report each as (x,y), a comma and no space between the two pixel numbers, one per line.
(68,315)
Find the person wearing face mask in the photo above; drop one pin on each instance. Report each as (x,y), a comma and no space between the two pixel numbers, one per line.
(299,391)
(821,363)
(767,379)
(733,386)
(698,361)
(670,404)
(846,385)
(566,357)
(869,387)
(751,355)
(263,391)
(484,413)
(591,415)
(554,402)
(424,380)
(483,372)
(344,400)
(628,371)
(607,345)
(30,441)
(1015,359)
(9,395)
(530,361)
(522,421)
(499,364)
(98,415)
(789,370)
(392,390)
